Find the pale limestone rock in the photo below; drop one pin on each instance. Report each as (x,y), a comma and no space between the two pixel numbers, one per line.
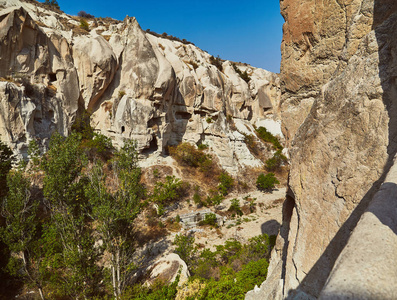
(167,268)
(137,85)
(180,92)
(47,101)
(96,65)
(366,267)
(337,77)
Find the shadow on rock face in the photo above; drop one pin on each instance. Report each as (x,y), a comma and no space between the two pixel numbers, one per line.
(270,227)
(385,28)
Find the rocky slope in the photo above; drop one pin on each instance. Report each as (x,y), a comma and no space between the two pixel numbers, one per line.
(339,115)
(134,84)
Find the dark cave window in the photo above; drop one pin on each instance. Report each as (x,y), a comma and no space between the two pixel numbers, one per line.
(122,129)
(52,77)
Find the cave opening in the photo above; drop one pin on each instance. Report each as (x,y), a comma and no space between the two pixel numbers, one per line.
(122,129)
(52,77)
(153,147)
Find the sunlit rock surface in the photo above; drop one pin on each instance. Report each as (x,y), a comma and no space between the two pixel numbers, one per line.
(134,84)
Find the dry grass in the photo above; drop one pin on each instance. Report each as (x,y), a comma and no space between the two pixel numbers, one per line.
(106,37)
(147,227)
(151,175)
(107,106)
(41,24)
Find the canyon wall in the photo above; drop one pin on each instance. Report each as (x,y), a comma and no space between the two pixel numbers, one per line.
(133,83)
(339,111)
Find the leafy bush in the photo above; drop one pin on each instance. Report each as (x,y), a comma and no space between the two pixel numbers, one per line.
(276,161)
(225,183)
(209,219)
(121,94)
(99,146)
(266,136)
(197,199)
(266,182)
(185,247)
(217,62)
(6,159)
(170,190)
(34,153)
(82,125)
(214,198)
(158,290)
(169,37)
(235,207)
(244,75)
(233,269)
(202,146)
(52,3)
(188,155)
(84,25)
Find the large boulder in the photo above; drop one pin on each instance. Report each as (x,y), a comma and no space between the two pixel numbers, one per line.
(167,269)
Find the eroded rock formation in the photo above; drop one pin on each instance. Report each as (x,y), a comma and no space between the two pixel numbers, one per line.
(134,84)
(338,65)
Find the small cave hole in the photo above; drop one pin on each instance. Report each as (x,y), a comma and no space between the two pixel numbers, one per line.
(122,129)
(153,147)
(51,114)
(52,77)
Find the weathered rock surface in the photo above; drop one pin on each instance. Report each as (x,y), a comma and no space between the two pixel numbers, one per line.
(338,65)
(157,91)
(366,267)
(42,96)
(167,269)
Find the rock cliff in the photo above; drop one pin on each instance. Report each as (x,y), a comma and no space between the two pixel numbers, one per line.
(339,115)
(133,83)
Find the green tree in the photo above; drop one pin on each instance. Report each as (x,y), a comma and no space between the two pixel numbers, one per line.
(114,213)
(209,219)
(268,137)
(34,153)
(6,160)
(276,161)
(225,183)
(168,191)
(266,182)
(19,211)
(185,248)
(235,206)
(64,192)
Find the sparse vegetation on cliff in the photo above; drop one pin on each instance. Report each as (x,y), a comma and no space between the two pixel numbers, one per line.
(278,159)
(84,24)
(268,137)
(217,62)
(244,75)
(52,3)
(85,15)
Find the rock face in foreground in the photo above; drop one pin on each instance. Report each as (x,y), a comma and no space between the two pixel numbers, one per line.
(339,228)
(134,84)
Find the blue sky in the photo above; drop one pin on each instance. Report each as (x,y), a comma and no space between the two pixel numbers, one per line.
(242,31)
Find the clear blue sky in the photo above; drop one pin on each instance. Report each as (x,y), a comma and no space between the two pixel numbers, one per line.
(244,31)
